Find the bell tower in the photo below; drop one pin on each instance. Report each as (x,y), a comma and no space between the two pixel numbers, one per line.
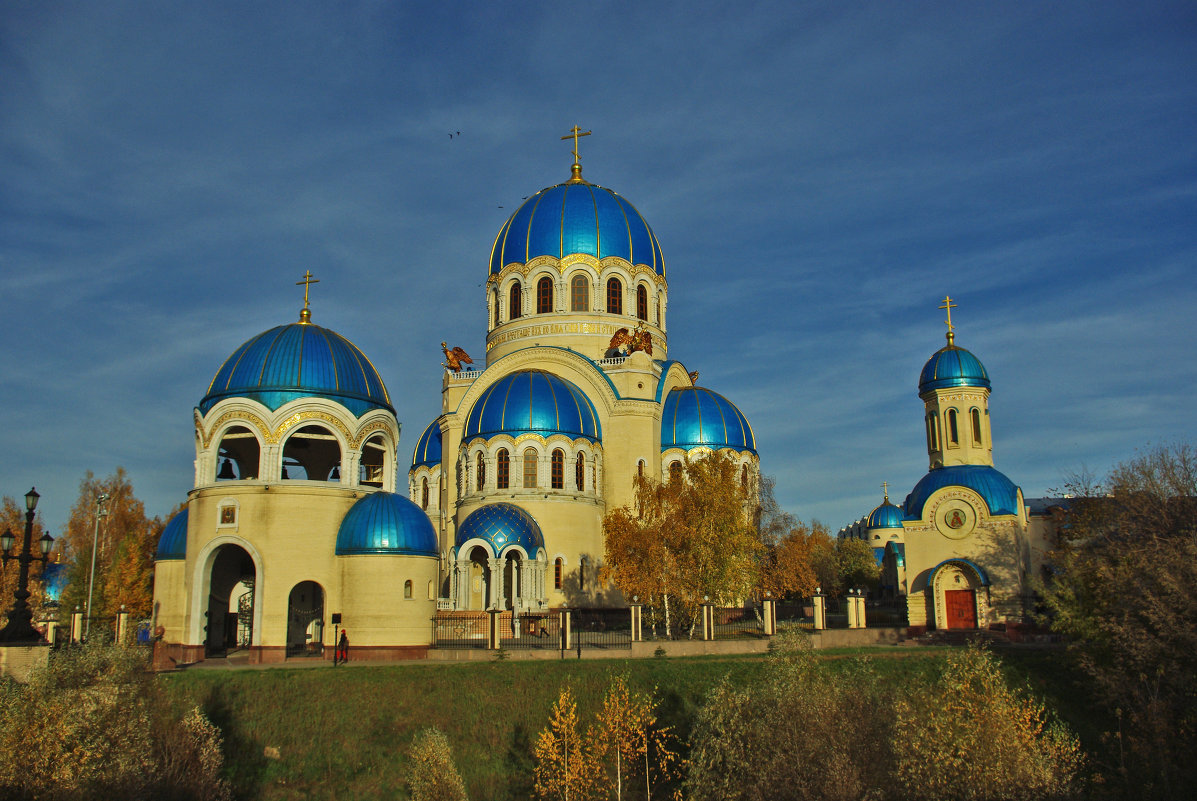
(955,390)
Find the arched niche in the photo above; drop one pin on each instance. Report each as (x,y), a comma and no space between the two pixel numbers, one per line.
(372,472)
(311,453)
(239,455)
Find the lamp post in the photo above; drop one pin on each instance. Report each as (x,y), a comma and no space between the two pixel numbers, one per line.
(20,618)
(101,499)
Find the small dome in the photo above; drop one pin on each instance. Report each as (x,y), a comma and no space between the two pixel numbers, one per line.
(576,217)
(532,402)
(501,525)
(55,577)
(885,516)
(173,542)
(428,449)
(695,417)
(999,493)
(952,367)
(386,523)
(299,360)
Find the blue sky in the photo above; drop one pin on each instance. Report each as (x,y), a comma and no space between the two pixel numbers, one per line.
(819,177)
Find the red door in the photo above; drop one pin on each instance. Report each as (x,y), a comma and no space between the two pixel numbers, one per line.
(961,608)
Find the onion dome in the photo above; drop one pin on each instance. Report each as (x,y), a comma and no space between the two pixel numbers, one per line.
(428,449)
(695,417)
(576,217)
(885,516)
(501,525)
(300,360)
(386,523)
(999,493)
(55,577)
(173,542)
(951,366)
(533,402)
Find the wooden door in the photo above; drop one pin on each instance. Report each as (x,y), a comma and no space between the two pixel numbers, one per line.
(961,609)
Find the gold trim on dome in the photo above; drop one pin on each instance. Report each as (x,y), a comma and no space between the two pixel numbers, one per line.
(364,433)
(579,258)
(233,414)
(299,417)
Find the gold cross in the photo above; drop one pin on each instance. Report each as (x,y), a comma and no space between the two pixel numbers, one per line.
(948,305)
(574,133)
(885,489)
(307,282)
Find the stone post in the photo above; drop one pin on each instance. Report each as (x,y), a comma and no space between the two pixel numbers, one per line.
(76,626)
(769,613)
(637,631)
(820,603)
(708,621)
(122,627)
(566,638)
(861,620)
(493,637)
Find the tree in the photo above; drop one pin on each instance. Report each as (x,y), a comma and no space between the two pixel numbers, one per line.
(432,776)
(628,731)
(856,563)
(1122,587)
(567,768)
(787,547)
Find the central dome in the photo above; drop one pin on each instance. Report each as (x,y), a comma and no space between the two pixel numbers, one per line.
(532,402)
(576,217)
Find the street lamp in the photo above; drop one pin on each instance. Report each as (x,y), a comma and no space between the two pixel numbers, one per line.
(20,618)
(101,499)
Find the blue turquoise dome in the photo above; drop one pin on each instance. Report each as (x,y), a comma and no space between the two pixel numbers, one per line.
(386,523)
(885,516)
(576,217)
(533,402)
(501,525)
(299,360)
(173,542)
(952,367)
(428,449)
(695,417)
(999,493)
(54,580)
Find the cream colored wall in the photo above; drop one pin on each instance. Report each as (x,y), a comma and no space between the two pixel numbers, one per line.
(170,598)
(962,400)
(372,604)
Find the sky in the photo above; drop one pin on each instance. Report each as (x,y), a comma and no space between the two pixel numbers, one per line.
(819,176)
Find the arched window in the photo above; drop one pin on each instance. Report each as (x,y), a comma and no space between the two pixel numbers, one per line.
(312,453)
(431,591)
(424,495)
(580,472)
(557,569)
(932,433)
(544,295)
(642,302)
(503,469)
(744,479)
(658,309)
(614,296)
(407,589)
(640,469)
(495,300)
(530,467)
(516,302)
(953,428)
(675,471)
(976,415)
(480,470)
(558,469)
(579,293)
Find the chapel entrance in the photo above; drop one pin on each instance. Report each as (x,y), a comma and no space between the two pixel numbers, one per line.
(305,620)
(960,608)
(230,613)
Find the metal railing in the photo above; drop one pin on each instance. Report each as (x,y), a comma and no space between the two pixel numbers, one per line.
(601,628)
(736,622)
(460,629)
(537,630)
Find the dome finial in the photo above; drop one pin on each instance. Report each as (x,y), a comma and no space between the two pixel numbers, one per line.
(575,170)
(885,489)
(305,314)
(948,305)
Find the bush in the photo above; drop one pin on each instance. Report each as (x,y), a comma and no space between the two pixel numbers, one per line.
(432,776)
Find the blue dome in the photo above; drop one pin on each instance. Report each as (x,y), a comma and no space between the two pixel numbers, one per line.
(576,217)
(386,523)
(428,449)
(532,402)
(54,580)
(1000,493)
(173,542)
(885,516)
(952,367)
(695,417)
(501,525)
(298,361)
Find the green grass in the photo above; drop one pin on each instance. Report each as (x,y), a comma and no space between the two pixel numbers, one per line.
(343,733)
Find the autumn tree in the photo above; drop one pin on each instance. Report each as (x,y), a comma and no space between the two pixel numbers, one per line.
(843,564)
(632,741)
(432,776)
(567,766)
(1122,588)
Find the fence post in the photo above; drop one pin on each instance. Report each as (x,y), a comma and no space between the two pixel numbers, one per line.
(52,632)
(860,609)
(769,613)
(76,626)
(492,630)
(566,643)
(820,603)
(637,632)
(122,626)
(708,620)
(851,599)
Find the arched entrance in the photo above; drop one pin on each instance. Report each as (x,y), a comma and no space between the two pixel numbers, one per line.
(230,612)
(958,587)
(480,593)
(305,620)
(513,591)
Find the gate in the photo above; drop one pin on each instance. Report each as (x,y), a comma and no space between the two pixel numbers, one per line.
(460,629)
(539,630)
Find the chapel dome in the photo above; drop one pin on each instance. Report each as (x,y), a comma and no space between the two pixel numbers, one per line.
(999,492)
(576,217)
(172,544)
(500,525)
(951,366)
(428,449)
(386,523)
(885,516)
(55,577)
(299,360)
(533,402)
(695,417)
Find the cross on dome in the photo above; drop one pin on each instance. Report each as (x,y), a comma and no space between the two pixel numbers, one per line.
(575,171)
(948,305)
(305,314)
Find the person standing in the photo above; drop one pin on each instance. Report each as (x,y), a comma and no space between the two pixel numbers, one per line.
(341,655)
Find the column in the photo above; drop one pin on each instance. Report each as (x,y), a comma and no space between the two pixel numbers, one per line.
(76,626)
(820,603)
(463,585)
(637,633)
(122,627)
(769,614)
(708,621)
(497,599)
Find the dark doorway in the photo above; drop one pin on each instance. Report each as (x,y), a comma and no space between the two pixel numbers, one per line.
(230,609)
(305,620)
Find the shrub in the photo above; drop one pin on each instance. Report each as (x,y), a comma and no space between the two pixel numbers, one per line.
(432,776)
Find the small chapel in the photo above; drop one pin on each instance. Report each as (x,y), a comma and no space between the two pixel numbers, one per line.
(302,519)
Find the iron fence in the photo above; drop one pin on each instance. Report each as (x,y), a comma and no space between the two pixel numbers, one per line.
(738,622)
(886,613)
(601,628)
(537,630)
(460,630)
